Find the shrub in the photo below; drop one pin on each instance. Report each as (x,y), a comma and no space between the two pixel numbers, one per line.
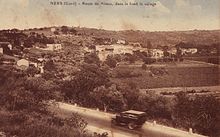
(149,60)
(126,73)
(155,106)
(158,71)
(200,113)
(111,62)
(144,67)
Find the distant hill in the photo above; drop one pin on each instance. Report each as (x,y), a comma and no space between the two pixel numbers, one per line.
(169,38)
(158,38)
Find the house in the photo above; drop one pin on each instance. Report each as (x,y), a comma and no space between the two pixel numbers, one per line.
(121,42)
(157,53)
(88,50)
(186,51)
(53,47)
(23,62)
(105,50)
(6,48)
(135,44)
(122,49)
(103,55)
(52,29)
(172,51)
(40,59)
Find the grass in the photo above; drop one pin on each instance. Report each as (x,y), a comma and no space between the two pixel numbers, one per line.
(177,76)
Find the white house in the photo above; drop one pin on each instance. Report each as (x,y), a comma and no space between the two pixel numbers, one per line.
(88,50)
(52,29)
(104,54)
(53,47)
(122,49)
(189,51)
(135,44)
(40,59)
(157,53)
(104,50)
(23,62)
(121,42)
(172,50)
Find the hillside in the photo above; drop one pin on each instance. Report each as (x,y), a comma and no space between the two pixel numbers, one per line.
(157,38)
(169,38)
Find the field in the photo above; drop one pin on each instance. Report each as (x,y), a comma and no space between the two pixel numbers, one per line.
(185,74)
(208,59)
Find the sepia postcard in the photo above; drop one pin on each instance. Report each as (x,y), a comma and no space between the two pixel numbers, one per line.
(109,68)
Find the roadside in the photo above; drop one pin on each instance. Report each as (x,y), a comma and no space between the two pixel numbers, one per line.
(100,121)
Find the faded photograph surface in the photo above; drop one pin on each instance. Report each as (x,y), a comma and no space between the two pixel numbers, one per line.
(116,68)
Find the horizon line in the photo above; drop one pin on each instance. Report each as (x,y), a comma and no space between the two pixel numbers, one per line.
(118,30)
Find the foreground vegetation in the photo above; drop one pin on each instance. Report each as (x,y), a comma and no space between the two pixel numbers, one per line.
(24,112)
(24,99)
(92,87)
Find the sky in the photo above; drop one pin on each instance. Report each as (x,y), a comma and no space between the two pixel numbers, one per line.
(166,15)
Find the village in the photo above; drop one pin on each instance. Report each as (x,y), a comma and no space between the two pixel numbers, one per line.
(88,69)
(103,49)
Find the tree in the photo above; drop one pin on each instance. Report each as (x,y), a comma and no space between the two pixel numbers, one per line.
(85,81)
(76,121)
(144,67)
(149,45)
(29,42)
(24,111)
(50,66)
(56,32)
(148,60)
(154,105)
(64,29)
(92,58)
(131,58)
(111,62)
(108,97)
(200,113)
(31,71)
(166,53)
(130,93)
(21,93)
(73,31)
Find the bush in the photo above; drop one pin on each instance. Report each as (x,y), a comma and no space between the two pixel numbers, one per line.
(126,73)
(92,58)
(24,111)
(144,67)
(31,124)
(155,106)
(111,62)
(200,113)
(148,60)
(158,71)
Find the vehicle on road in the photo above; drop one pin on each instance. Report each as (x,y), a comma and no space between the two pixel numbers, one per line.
(132,119)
